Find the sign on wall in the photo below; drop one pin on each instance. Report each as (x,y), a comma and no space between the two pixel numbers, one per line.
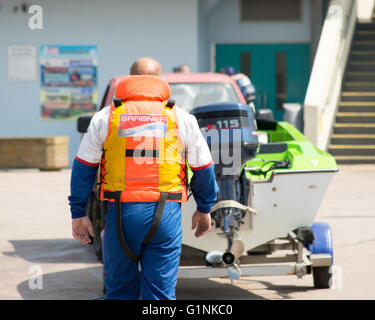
(21,63)
(68,81)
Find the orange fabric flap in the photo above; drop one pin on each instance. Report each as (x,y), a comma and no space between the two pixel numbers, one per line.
(143,87)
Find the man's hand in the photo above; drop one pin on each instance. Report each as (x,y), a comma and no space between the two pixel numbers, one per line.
(203,220)
(81,229)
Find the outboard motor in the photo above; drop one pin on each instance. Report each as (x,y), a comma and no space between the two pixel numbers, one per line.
(230,132)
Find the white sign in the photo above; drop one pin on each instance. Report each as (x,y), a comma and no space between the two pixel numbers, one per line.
(21,63)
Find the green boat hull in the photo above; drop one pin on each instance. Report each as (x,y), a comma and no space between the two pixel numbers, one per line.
(303,155)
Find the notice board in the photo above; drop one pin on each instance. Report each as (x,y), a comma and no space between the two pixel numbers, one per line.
(68,81)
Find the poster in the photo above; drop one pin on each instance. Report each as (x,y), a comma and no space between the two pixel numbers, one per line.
(21,63)
(68,81)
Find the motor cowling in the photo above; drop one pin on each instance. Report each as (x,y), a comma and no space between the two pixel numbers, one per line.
(230,132)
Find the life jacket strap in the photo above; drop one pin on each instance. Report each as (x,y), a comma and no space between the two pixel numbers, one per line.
(116,195)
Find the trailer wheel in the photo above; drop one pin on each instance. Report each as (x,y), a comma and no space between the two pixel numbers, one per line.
(322,244)
(322,276)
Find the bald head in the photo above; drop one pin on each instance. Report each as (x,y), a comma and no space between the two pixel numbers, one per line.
(146,66)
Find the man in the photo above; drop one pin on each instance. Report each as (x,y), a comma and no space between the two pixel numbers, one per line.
(143,181)
(183,94)
(244,83)
(184,68)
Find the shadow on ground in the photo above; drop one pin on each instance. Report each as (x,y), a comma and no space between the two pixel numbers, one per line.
(52,251)
(206,289)
(79,284)
(243,289)
(286,291)
(87,283)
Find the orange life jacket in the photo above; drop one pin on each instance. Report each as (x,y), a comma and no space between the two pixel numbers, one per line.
(143,155)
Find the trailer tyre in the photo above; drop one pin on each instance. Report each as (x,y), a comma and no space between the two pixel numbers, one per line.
(322,276)
(322,244)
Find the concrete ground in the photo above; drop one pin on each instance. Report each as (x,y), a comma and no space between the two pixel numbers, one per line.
(40,260)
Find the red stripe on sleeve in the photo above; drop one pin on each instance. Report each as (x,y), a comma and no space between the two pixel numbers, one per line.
(87,163)
(200,168)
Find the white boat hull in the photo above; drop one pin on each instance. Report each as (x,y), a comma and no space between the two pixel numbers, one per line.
(285,202)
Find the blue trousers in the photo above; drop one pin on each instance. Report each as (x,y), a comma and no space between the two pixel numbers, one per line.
(159,258)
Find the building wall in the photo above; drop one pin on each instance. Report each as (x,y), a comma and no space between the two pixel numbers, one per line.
(122,31)
(220,22)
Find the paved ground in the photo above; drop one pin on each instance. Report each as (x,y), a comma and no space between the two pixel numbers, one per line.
(35,236)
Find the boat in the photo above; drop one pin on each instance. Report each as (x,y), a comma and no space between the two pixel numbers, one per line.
(277,194)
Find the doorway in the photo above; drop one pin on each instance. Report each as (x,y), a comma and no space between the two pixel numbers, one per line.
(279,72)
